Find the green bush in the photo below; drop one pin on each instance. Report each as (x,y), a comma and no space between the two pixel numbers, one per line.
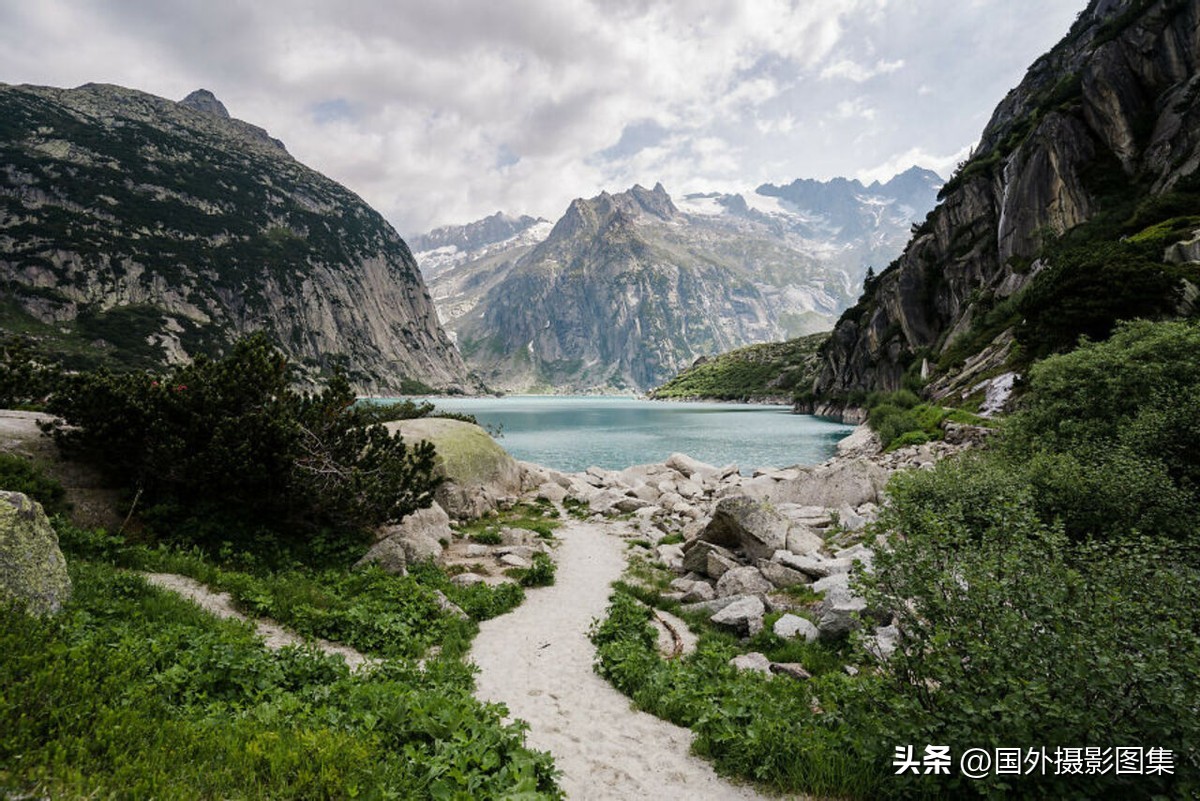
(1015,636)
(21,475)
(231,444)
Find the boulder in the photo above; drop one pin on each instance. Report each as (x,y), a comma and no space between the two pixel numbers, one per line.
(480,475)
(32,568)
(744,522)
(513,560)
(780,575)
(845,482)
(743,581)
(718,564)
(692,468)
(628,505)
(671,555)
(466,579)
(446,605)
(790,626)
(862,441)
(699,591)
(695,555)
(389,555)
(752,661)
(551,492)
(882,644)
(744,615)
(421,534)
(802,540)
(812,566)
(840,613)
(715,605)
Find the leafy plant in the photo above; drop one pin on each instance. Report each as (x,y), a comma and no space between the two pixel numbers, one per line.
(230,441)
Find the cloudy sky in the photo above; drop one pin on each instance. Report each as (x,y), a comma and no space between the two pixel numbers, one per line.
(443,111)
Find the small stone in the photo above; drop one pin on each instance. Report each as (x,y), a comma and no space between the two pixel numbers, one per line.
(512,560)
(792,670)
(790,626)
(752,661)
(466,579)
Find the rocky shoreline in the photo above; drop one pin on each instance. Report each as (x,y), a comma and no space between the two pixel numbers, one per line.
(741,547)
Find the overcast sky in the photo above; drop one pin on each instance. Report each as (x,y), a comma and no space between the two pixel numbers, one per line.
(444,111)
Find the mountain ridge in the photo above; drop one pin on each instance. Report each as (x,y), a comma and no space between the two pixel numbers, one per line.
(753,271)
(142,231)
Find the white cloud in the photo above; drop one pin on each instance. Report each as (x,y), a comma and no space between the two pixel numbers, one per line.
(943,164)
(449,111)
(859,73)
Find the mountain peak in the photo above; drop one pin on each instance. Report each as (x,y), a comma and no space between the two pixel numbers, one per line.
(205,101)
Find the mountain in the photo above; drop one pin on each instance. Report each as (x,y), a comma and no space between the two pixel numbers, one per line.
(772,371)
(451,245)
(628,288)
(139,231)
(1079,207)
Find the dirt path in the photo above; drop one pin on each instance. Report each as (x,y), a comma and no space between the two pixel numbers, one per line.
(538,661)
(220,604)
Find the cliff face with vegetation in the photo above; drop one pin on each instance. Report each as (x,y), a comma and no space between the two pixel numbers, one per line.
(1080,206)
(141,231)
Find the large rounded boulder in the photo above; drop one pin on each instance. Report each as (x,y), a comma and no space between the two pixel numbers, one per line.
(480,475)
(32,568)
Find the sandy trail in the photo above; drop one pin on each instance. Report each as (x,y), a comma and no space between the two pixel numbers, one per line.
(274,635)
(538,661)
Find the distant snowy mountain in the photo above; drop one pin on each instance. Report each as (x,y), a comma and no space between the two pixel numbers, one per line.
(628,288)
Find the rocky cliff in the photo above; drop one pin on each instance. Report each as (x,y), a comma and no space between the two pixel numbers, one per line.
(1075,210)
(628,288)
(137,230)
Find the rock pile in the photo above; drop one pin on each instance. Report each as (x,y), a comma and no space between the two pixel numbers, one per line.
(744,546)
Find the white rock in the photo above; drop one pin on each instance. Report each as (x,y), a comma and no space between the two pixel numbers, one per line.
(512,560)
(743,581)
(752,661)
(790,626)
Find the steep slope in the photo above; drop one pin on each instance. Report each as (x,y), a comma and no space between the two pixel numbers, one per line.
(626,289)
(772,371)
(1072,213)
(143,231)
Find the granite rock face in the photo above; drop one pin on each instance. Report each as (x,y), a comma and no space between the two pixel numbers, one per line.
(1115,97)
(32,568)
(157,230)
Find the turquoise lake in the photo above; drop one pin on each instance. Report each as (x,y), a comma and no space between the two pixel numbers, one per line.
(572,434)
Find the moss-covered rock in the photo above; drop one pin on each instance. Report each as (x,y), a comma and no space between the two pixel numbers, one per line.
(480,475)
(32,568)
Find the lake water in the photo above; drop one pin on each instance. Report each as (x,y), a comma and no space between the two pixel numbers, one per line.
(572,434)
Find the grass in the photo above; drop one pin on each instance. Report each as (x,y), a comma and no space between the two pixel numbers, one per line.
(769,729)
(540,518)
(758,371)
(134,692)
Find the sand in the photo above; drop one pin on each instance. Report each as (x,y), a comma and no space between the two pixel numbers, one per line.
(274,635)
(538,661)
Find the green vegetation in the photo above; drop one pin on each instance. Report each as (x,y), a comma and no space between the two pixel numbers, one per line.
(541,519)
(540,574)
(1047,589)
(133,691)
(751,373)
(901,418)
(226,451)
(21,475)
